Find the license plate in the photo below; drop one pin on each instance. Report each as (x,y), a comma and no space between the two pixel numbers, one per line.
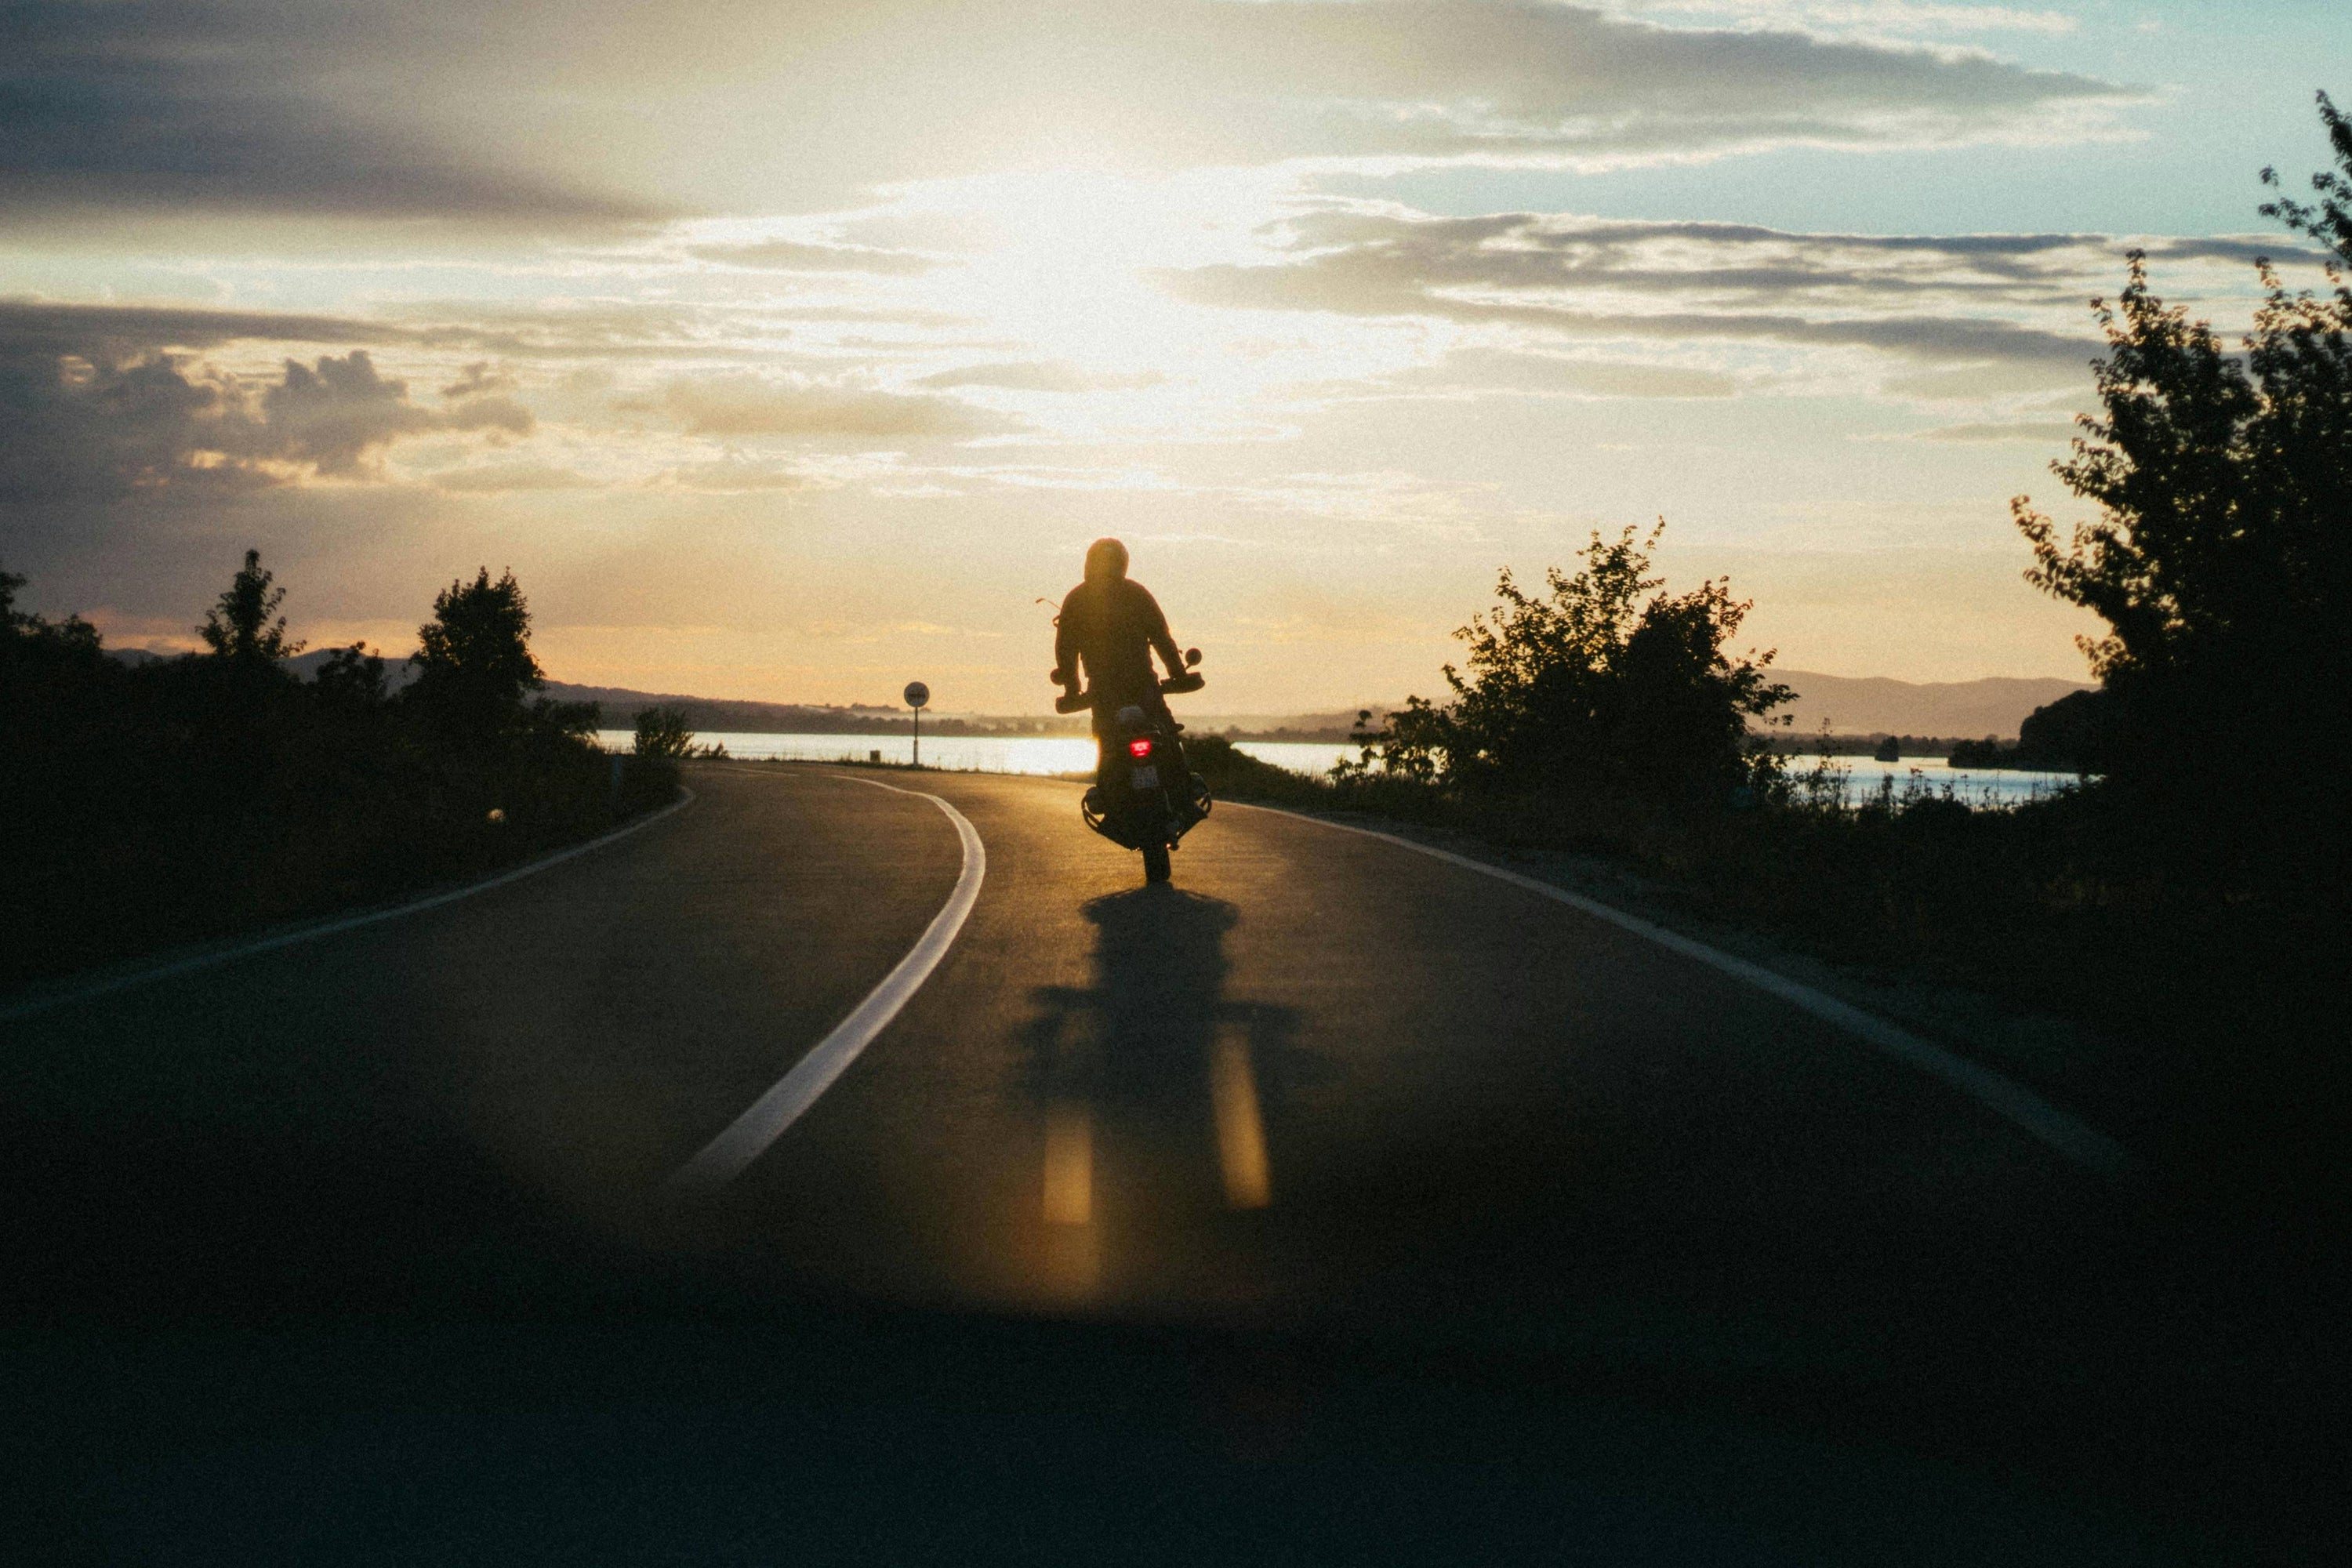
(1144,777)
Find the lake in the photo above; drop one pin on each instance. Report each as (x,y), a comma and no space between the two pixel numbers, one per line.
(1051,755)
(1045,754)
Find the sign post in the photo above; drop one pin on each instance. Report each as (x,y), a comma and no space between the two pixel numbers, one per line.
(917,695)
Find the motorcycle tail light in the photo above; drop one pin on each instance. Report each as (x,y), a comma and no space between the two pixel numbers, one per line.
(1139,748)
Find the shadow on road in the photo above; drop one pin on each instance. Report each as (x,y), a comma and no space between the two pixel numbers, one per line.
(1148,1083)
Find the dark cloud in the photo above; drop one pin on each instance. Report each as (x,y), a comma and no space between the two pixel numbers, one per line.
(332,415)
(480,379)
(1497,80)
(71,428)
(536,113)
(115,104)
(737,405)
(39,327)
(1731,281)
(97,404)
(1046,376)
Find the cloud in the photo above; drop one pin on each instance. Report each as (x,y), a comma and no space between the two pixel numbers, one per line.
(1867,18)
(41,327)
(1572,85)
(1900,294)
(609,111)
(480,379)
(146,104)
(1042,377)
(2039,432)
(746,404)
(88,410)
(1972,382)
(73,428)
(732,476)
(486,478)
(333,414)
(794,255)
(1479,371)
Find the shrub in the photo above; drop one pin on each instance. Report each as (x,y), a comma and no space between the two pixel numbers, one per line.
(662,732)
(1593,692)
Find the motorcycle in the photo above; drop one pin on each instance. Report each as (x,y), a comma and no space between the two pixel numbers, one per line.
(1143,797)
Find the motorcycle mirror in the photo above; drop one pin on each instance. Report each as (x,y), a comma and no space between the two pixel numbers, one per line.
(1191,656)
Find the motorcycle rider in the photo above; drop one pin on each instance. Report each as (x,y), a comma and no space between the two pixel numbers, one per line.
(1111,625)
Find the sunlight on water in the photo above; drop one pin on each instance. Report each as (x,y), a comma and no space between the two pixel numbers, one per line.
(1059,754)
(1044,755)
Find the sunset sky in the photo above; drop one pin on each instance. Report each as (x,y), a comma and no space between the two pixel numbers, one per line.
(793,350)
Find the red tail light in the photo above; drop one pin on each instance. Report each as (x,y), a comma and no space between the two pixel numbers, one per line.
(1141,747)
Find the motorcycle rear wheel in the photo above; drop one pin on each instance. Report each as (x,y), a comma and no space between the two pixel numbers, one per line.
(1155,863)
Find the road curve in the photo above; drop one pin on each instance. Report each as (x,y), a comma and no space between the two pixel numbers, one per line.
(1325,1088)
(1325,1075)
(1321,1076)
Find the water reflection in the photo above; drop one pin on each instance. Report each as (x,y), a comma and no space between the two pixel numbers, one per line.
(1148,1081)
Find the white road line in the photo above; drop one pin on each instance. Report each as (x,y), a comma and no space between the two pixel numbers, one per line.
(201,960)
(2086,1145)
(749,1134)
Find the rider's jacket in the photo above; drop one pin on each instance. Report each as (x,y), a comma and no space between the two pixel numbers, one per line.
(1113,624)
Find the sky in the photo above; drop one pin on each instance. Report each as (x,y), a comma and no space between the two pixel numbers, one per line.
(796,351)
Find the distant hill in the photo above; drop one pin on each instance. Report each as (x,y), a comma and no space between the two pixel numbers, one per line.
(1849,705)
(1877,706)
(621,706)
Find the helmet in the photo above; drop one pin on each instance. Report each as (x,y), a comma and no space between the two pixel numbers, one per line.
(1105,558)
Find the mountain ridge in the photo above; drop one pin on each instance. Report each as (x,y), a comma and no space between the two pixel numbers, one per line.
(1844,704)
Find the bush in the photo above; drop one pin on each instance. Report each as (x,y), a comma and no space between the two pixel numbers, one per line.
(1593,696)
(662,732)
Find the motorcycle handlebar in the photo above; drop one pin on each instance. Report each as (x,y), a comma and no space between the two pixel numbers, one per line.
(1173,686)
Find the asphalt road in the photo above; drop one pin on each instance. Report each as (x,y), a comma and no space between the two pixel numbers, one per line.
(1322,1092)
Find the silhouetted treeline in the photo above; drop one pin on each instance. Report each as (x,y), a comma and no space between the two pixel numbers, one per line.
(2068,736)
(1907,748)
(184,799)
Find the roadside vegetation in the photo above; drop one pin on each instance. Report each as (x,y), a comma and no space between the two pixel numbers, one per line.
(2188,900)
(186,799)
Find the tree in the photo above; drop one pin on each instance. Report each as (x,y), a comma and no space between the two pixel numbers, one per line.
(2222,560)
(472,659)
(239,626)
(352,678)
(26,633)
(1605,684)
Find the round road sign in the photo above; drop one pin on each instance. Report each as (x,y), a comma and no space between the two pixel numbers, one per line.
(917,694)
